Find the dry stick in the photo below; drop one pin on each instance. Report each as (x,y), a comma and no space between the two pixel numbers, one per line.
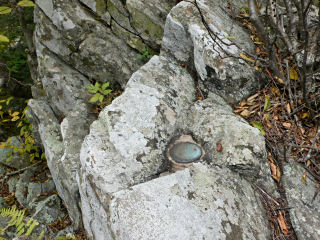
(305,54)
(17,172)
(217,40)
(290,93)
(282,33)
(264,35)
(290,15)
(11,78)
(270,205)
(308,156)
(305,146)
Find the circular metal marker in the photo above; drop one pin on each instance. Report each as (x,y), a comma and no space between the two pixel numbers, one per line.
(183,152)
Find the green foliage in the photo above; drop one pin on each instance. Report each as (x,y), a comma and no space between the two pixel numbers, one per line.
(145,55)
(29,146)
(12,47)
(18,221)
(100,91)
(67,237)
(258,126)
(267,104)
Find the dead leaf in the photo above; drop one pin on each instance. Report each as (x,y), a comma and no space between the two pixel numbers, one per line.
(243,103)
(286,125)
(238,110)
(279,80)
(219,146)
(303,178)
(275,171)
(288,108)
(275,90)
(305,115)
(245,113)
(250,99)
(282,224)
(308,163)
(245,57)
(293,74)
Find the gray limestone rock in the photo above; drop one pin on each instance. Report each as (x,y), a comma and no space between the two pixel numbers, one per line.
(127,146)
(212,48)
(212,122)
(12,182)
(198,203)
(139,23)
(83,43)
(21,188)
(35,189)
(64,85)
(304,212)
(17,161)
(62,144)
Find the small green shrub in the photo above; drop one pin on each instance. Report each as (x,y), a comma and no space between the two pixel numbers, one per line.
(21,121)
(145,55)
(100,91)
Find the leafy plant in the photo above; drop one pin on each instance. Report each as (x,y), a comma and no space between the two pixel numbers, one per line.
(28,147)
(8,10)
(258,126)
(17,219)
(100,91)
(145,55)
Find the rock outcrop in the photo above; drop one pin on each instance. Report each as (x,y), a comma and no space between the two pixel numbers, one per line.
(113,172)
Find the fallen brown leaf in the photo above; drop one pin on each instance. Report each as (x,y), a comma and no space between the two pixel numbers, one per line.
(250,99)
(286,125)
(303,178)
(245,113)
(288,108)
(282,224)
(219,146)
(275,171)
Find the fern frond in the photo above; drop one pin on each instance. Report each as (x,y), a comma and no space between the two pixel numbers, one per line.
(17,219)
(32,226)
(41,235)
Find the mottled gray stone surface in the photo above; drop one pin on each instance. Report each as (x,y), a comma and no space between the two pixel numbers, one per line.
(116,184)
(304,212)
(212,49)
(197,203)
(83,43)
(127,146)
(62,167)
(17,161)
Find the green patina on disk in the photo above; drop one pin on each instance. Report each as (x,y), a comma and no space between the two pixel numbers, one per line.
(185,152)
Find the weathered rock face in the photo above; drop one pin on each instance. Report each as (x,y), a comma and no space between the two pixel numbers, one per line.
(136,22)
(13,159)
(62,147)
(114,176)
(84,43)
(75,42)
(127,146)
(304,214)
(202,36)
(197,203)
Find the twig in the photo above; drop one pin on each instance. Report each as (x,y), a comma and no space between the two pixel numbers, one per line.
(305,146)
(11,78)
(17,172)
(308,156)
